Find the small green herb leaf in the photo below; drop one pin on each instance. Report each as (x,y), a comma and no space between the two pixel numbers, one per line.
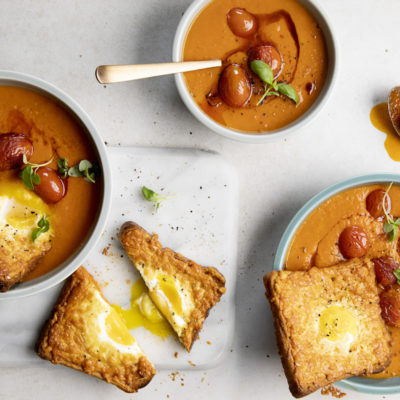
(263,70)
(85,169)
(288,91)
(388,227)
(62,164)
(29,173)
(393,234)
(43,227)
(396,273)
(26,176)
(151,195)
(74,171)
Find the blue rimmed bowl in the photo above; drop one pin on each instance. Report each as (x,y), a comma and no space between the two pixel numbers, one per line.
(365,385)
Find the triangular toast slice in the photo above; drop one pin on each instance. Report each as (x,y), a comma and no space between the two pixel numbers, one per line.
(85,333)
(182,290)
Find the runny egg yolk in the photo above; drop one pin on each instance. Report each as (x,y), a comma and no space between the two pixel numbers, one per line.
(117,330)
(336,322)
(143,312)
(27,205)
(167,286)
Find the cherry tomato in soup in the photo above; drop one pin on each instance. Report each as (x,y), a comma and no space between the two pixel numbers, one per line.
(51,187)
(269,54)
(241,22)
(353,242)
(13,146)
(374,203)
(390,306)
(234,86)
(384,267)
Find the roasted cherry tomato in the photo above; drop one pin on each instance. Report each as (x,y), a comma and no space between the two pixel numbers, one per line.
(374,203)
(384,267)
(241,22)
(353,242)
(234,86)
(390,305)
(13,146)
(269,54)
(51,187)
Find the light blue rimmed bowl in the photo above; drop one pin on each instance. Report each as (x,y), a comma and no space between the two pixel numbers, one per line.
(52,278)
(365,385)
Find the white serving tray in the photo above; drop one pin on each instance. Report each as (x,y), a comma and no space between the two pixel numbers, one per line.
(200,222)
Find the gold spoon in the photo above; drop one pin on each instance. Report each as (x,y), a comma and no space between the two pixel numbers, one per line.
(394,108)
(122,73)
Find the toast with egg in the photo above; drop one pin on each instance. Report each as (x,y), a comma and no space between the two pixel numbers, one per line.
(328,324)
(20,212)
(182,290)
(85,333)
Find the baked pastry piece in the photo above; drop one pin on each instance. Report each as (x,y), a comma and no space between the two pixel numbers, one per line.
(85,333)
(328,324)
(182,290)
(20,212)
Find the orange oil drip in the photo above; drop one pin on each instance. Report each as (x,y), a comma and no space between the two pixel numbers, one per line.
(380,119)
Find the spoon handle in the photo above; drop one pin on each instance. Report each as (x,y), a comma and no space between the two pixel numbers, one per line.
(121,73)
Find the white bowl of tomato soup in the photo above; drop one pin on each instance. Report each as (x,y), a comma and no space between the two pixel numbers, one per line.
(63,182)
(318,235)
(294,39)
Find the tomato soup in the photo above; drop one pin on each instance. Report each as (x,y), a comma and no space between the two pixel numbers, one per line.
(293,45)
(54,134)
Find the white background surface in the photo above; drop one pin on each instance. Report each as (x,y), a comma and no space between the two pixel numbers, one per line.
(63,42)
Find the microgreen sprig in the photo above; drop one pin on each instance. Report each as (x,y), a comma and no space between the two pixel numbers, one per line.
(390,226)
(62,164)
(396,273)
(272,86)
(29,173)
(43,227)
(85,169)
(151,195)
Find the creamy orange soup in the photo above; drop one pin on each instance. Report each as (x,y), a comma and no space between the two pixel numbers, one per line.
(316,241)
(284,24)
(54,132)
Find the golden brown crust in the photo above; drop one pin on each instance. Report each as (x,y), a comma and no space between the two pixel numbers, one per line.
(296,299)
(19,256)
(207,284)
(64,339)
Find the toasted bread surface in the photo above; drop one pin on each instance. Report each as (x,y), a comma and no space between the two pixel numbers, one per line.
(199,288)
(328,324)
(85,333)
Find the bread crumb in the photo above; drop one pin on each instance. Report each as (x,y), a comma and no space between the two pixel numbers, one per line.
(192,364)
(334,392)
(203,379)
(105,250)
(208,342)
(174,375)
(176,354)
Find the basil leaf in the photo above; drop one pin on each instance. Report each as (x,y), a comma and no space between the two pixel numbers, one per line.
(43,227)
(288,91)
(74,171)
(35,178)
(397,222)
(396,273)
(263,70)
(149,194)
(388,227)
(26,176)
